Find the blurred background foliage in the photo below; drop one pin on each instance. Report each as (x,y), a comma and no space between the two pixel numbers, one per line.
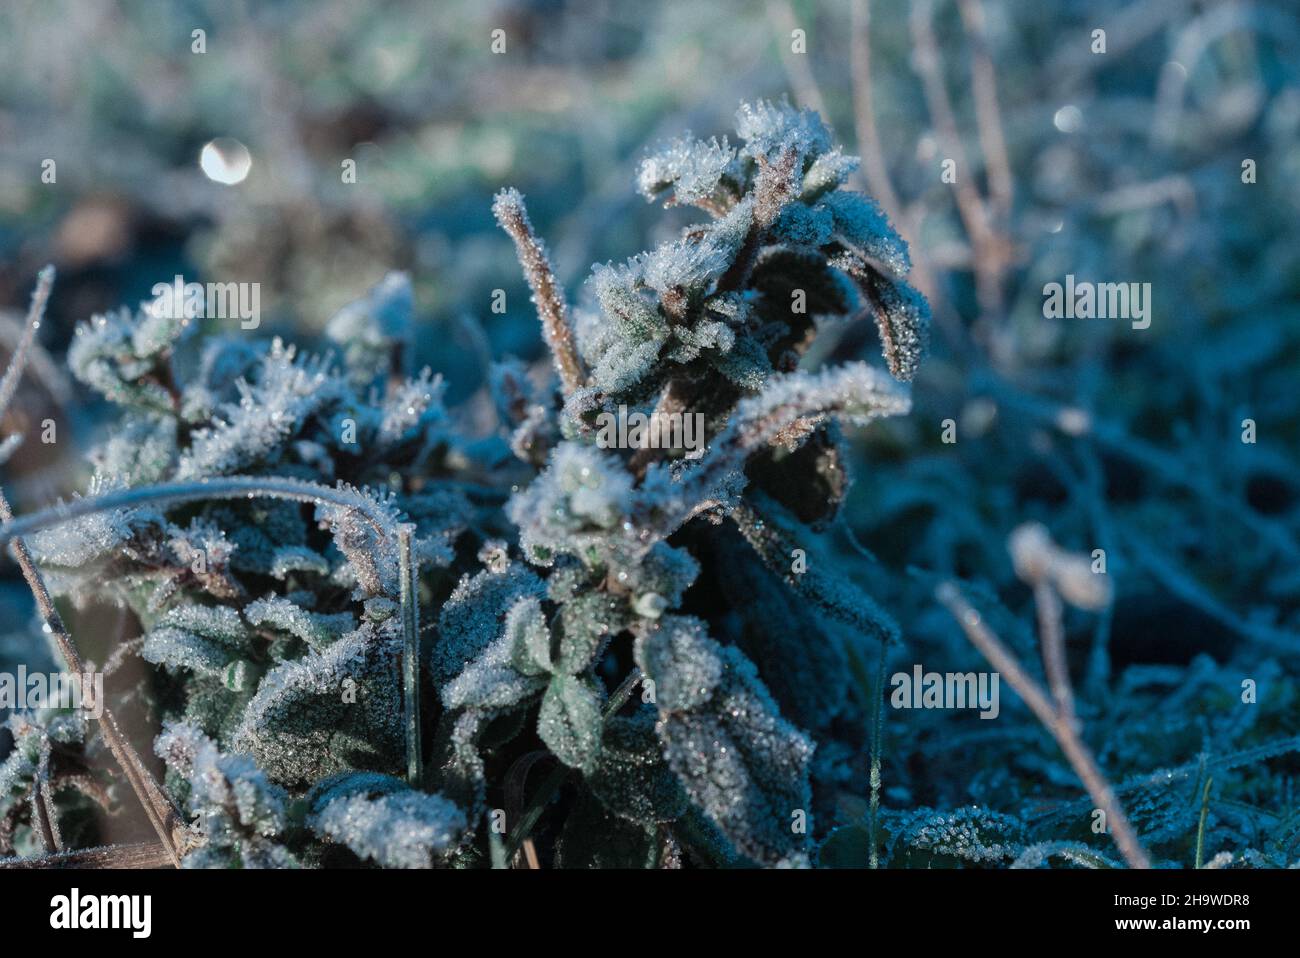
(1123,166)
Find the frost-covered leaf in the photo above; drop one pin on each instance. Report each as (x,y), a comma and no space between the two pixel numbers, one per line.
(860,222)
(846,847)
(375,329)
(382,820)
(630,777)
(594,838)
(768,128)
(329,711)
(572,506)
(530,637)
(240,811)
(474,659)
(569,721)
(738,760)
(270,410)
(927,838)
(315,628)
(691,168)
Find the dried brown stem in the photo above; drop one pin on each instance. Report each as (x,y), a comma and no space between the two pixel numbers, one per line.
(1062,725)
(864,109)
(876,169)
(161,812)
(547,297)
(18,361)
(992,253)
(988,113)
(141,855)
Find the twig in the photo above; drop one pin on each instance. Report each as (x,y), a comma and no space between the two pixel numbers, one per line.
(1053,640)
(864,110)
(991,251)
(877,740)
(18,361)
(139,855)
(1200,825)
(509,209)
(876,170)
(1058,723)
(988,114)
(162,814)
(44,816)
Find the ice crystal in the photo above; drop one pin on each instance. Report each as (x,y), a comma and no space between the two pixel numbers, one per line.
(691,168)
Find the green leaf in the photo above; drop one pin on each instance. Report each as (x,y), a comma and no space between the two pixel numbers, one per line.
(530,639)
(570,722)
(587,622)
(738,760)
(631,778)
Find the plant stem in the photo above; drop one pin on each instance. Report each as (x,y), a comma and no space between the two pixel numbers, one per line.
(877,738)
(1062,726)
(411,652)
(175,493)
(1200,827)
(508,206)
(162,814)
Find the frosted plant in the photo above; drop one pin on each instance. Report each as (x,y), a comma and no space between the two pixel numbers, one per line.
(247,516)
(711,324)
(272,522)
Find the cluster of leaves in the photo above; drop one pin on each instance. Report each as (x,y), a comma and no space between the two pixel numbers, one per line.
(585,599)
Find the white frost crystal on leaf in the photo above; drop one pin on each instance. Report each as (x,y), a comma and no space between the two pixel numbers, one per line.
(401,829)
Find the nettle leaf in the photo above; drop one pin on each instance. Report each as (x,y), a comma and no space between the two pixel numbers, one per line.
(631,777)
(767,128)
(457,767)
(315,628)
(330,711)
(570,721)
(474,659)
(287,559)
(859,221)
(143,450)
(253,430)
(118,354)
(382,819)
(240,811)
(846,847)
(572,507)
(491,680)
(691,168)
(966,837)
(801,655)
(739,761)
(375,329)
(212,640)
(586,624)
(774,535)
(903,320)
(529,637)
